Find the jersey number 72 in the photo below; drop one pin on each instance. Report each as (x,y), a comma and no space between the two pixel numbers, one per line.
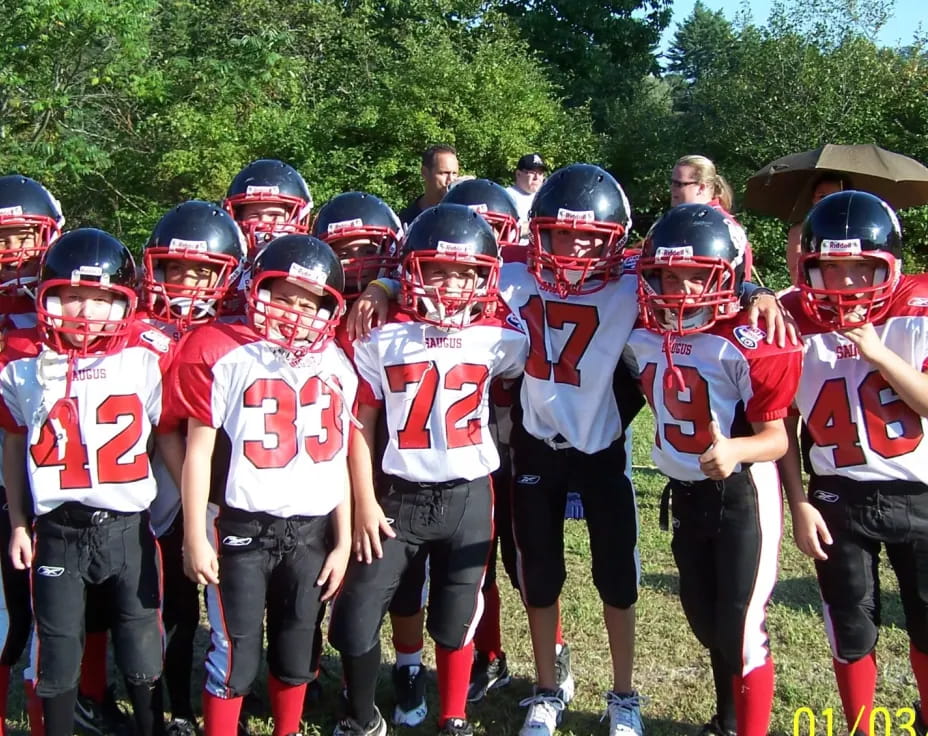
(415,434)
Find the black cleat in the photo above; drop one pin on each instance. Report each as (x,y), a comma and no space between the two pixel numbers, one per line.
(486,675)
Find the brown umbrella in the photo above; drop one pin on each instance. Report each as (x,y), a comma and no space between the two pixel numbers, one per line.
(783,188)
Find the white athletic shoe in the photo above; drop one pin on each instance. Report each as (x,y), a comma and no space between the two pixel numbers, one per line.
(624,713)
(545,710)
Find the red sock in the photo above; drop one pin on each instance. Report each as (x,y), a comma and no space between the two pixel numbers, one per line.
(286,705)
(558,634)
(4,690)
(919,662)
(857,684)
(754,700)
(220,715)
(34,710)
(453,667)
(93,667)
(404,648)
(488,639)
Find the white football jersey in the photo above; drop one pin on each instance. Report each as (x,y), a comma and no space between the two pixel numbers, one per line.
(860,427)
(93,448)
(576,344)
(434,387)
(731,376)
(286,417)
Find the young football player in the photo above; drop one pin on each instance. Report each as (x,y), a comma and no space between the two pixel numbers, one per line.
(30,221)
(364,232)
(428,369)
(490,670)
(268,198)
(407,615)
(576,404)
(719,394)
(79,396)
(192,264)
(863,398)
(281,391)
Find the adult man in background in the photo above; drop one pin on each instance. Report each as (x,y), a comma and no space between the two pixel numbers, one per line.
(530,175)
(439,170)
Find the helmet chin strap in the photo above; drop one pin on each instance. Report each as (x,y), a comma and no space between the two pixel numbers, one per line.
(673,376)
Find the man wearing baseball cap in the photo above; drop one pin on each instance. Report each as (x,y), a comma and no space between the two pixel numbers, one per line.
(530,175)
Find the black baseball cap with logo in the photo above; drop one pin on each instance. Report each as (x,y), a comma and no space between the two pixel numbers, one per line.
(532,161)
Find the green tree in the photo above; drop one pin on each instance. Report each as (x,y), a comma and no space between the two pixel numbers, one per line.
(703,43)
(125,107)
(596,52)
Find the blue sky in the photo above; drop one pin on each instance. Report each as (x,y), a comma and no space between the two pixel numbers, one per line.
(899,31)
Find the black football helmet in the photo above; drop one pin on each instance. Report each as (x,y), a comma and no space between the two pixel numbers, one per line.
(493,202)
(587,201)
(849,226)
(201,233)
(271,183)
(711,247)
(308,262)
(25,205)
(364,232)
(92,258)
(452,236)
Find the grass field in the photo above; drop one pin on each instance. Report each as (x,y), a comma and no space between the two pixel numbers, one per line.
(671,668)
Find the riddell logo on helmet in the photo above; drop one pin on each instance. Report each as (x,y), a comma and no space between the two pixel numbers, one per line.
(668,254)
(14,211)
(481,207)
(255,189)
(444,246)
(335,227)
(849,247)
(181,244)
(566,215)
(316,275)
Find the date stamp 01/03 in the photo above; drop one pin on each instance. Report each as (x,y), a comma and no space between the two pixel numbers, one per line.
(878,722)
